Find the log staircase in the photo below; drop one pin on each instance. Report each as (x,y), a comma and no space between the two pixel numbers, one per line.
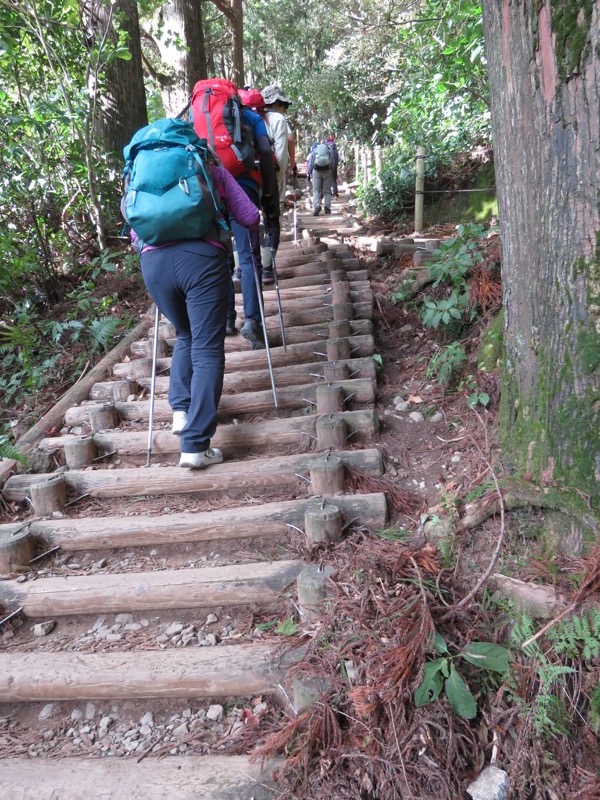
(108,535)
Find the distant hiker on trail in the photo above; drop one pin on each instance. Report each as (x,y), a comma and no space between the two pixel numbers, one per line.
(173,201)
(319,167)
(239,138)
(335,161)
(276,105)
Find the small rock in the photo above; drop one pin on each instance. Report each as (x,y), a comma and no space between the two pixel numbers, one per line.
(456,458)
(145,730)
(261,709)
(90,711)
(147,719)
(404,406)
(113,637)
(211,639)
(44,628)
(211,618)
(492,784)
(174,628)
(98,624)
(181,731)
(187,713)
(416,416)
(398,399)
(144,623)
(124,619)
(215,713)
(101,563)
(46,711)
(437,417)
(76,714)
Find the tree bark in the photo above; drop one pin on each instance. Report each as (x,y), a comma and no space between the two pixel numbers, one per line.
(122,95)
(182,50)
(234,11)
(545,94)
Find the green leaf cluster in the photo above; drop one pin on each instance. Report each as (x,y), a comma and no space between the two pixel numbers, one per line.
(442,674)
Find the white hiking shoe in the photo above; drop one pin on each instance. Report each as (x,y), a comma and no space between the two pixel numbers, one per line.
(180,419)
(200,460)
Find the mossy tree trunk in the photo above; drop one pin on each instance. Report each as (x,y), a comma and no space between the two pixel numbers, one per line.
(544,74)
(180,40)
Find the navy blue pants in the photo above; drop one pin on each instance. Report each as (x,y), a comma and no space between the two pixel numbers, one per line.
(189,282)
(248,248)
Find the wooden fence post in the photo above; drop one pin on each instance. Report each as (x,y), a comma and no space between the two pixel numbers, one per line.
(419,189)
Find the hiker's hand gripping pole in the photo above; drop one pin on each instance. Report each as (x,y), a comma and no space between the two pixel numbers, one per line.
(263,321)
(152,385)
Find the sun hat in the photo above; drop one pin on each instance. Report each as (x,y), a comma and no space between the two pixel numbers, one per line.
(271,94)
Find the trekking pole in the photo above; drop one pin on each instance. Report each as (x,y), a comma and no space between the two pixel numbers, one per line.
(152,385)
(295,217)
(264,322)
(277,294)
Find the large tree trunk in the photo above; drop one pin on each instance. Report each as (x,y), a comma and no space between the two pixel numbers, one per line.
(544,73)
(234,11)
(182,50)
(121,94)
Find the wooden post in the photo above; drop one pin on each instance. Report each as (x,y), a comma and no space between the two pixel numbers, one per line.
(338,349)
(162,348)
(332,433)
(340,292)
(140,368)
(334,371)
(48,496)
(80,452)
(419,189)
(338,275)
(123,390)
(16,549)
(340,328)
(356,161)
(327,476)
(103,418)
(377,153)
(323,523)
(314,585)
(330,398)
(365,166)
(343,311)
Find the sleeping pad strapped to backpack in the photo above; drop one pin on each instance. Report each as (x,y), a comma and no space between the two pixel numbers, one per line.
(169,194)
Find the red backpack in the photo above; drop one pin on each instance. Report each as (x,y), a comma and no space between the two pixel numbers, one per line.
(216,114)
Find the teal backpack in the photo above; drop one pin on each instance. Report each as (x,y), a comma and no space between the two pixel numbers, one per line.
(169,194)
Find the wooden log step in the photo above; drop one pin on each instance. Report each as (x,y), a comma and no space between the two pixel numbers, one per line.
(311,316)
(244,522)
(311,372)
(293,335)
(232,585)
(311,301)
(231,439)
(227,671)
(301,352)
(318,267)
(288,397)
(309,280)
(198,777)
(258,473)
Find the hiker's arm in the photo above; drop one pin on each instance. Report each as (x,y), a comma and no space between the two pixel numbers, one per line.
(239,205)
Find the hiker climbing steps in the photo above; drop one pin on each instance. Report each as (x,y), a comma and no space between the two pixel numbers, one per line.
(282,487)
